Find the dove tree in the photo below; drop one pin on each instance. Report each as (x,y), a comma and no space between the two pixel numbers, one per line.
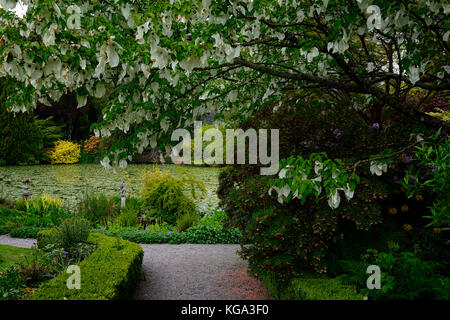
(163,64)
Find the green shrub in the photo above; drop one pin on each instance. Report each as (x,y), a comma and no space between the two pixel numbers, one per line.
(110,272)
(310,287)
(214,219)
(186,221)
(26,232)
(197,234)
(98,208)
(128,217)
(11,284)
(169,201)
(71,232)
(3,230)
(403,275)
(47,237)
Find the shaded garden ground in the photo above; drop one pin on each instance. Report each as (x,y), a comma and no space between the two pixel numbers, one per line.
(188,271)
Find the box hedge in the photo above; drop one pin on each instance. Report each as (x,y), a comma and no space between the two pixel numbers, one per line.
(310,287)
(109,273)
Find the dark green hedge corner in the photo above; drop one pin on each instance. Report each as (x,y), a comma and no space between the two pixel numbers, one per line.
(109,273)
(310,287)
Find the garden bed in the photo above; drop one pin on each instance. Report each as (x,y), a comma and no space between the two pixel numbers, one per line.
(110,272)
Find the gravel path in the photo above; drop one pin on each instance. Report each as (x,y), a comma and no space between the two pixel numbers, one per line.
(188,271)
(16,242)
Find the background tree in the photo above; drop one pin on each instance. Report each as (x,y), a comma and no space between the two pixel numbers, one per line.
(165,63)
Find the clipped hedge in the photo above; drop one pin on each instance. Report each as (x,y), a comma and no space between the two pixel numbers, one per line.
(109,273)
(312,287)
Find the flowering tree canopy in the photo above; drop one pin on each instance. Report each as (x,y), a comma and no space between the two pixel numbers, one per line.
(162,64)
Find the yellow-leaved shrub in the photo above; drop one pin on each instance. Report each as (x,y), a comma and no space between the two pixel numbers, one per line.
(66,152)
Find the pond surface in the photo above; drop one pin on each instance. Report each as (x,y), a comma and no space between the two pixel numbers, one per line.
(71,182)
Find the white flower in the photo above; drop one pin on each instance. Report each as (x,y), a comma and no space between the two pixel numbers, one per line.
(348,192)
(82,100)
(189,64)
(414,74)
(282,173)
(334,200)
(160,56)
(285,191)
(318,166)
(377,168)
(49,36)
(113,56)
(419,137)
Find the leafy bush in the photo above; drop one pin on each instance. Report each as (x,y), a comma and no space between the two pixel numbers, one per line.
(200,235)
(213,220)
(71,232)
(403,275)
(20,136)
(66,152)
(97,208)
(47,207)
(11,284)
(169,201)
(151,179)
(26,232)
(430,173)
(47,237)
(289,238)
(128,217)
(51,131)
(186,221)
(110,272)
(310,287)
(90,150)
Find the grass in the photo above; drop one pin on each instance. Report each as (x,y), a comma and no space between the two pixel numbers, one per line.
(10,255)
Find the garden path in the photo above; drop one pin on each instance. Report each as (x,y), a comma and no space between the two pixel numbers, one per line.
(188,271)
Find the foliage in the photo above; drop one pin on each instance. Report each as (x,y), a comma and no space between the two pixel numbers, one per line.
(11,284)
(151,178)
(196,234)
(71,232)
(403,275)
(295,181)
(237,56)
(128,217)
(169,201)
(26,224)
(430,173)
(310,287)
(187,181)
(290,237)
(214,219)
(186,221)
(21,139)
(47,207)
(66,152)
(26,232)
(90,150)
(39,205)
(108,273)
(51,131)
(97,208)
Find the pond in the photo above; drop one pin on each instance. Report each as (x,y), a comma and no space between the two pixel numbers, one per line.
(71,182)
